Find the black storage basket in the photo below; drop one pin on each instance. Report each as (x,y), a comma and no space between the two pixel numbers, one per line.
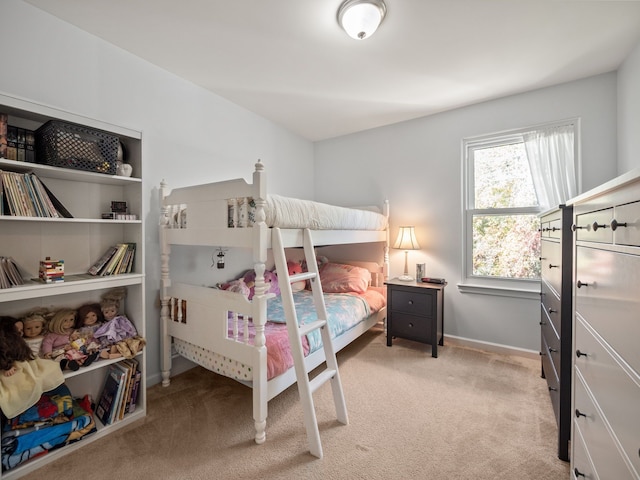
(67,145)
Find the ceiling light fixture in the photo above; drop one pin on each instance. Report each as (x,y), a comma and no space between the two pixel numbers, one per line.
(361,18)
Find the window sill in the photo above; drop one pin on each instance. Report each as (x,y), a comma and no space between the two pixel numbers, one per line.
(528,293)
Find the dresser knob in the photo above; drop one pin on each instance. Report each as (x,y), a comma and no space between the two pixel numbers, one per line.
(411,325)
(615,224)
(553,350)
(581,284)
(579,414)
(596,226)
(553,389)
(553,266)
(410,302)
(543,323)
(575,227)
(578,473)
(551,310)
(581,354)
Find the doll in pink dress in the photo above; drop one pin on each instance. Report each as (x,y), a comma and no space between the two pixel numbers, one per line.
(56,344)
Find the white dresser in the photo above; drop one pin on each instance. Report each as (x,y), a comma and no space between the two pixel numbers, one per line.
(606,352)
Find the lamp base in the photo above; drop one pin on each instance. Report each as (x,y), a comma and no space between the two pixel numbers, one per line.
(405,278)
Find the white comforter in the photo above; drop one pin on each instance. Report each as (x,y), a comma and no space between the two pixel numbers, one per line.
(287,212)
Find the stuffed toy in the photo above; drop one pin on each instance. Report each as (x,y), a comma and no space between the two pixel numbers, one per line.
(270,278)
(237,286)
(295,268)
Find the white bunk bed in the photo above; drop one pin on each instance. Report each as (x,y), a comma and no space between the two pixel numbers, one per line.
(235,213)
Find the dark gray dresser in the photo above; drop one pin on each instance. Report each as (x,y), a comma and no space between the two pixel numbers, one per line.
(556,314)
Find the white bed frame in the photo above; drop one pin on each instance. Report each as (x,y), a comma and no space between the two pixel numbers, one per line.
(206,322)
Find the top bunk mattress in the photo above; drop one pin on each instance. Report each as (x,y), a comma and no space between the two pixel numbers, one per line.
(285,212)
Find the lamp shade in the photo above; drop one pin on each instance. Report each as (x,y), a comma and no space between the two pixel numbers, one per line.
(406,239)
(361,18)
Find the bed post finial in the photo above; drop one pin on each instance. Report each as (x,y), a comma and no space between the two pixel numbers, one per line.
(259,166)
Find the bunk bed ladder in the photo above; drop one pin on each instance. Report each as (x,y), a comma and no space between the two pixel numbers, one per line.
(306,386)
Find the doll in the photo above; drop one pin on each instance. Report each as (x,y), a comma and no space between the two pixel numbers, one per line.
(23,377)
(56,344)
(117,335)
(12,346)
(34,326)
(88,320)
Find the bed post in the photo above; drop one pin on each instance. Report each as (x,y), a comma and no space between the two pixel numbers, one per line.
(165,283)
(260,232)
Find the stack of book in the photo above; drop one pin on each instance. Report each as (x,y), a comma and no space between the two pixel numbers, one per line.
(120,392)
(9,274)
(24,195)
(116,260)
(51,271)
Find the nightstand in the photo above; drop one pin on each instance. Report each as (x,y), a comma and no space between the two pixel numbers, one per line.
(414,312)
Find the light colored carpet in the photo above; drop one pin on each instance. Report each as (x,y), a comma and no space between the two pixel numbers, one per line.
(467,414)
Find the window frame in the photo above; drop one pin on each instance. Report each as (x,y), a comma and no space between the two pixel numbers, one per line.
(511,287)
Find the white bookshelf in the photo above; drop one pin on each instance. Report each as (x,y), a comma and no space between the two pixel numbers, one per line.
(79,241)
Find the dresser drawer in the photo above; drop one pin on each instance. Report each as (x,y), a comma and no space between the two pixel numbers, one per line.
(411,327)
(589,429)
(610,301)
(628,215)
(581,466)
(551,376)
(552,340)
(595,226)
(551,263)
(409,301)
(552,306)
(616,390)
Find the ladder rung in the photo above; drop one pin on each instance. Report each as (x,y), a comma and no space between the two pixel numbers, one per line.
(301,276)
(310,327)
(321,379)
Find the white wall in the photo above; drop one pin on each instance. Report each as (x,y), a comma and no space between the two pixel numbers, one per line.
(189,135)
(629,112)
(417,166)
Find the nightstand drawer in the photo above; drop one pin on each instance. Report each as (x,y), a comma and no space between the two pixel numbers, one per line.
(410,327)
(413,302)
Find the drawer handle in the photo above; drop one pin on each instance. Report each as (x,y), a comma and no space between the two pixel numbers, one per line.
(596,226)
(553,266)
(578,473)
(411,325)
(582,284)
(581,354)
(575,227)
(553,350)
(615,224)
(542,354)
(551,310)
(553,389)
(410,302)
(553,229)
(580,414)
(542,323)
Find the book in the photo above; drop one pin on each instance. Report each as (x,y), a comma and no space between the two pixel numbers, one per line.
(110,267)
(134,392)
(58,207)
(11,271)
(130,368)
(97,267)
(12,143)
(30,145)
(4,119)
(21,144)
(110,395)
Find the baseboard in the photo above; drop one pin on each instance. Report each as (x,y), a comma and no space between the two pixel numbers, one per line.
(490,347)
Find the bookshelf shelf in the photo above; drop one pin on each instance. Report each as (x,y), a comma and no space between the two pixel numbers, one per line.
(79,241)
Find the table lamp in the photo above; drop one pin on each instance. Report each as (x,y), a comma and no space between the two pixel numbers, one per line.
(406,241)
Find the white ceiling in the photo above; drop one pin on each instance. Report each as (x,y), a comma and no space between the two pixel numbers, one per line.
(289,61)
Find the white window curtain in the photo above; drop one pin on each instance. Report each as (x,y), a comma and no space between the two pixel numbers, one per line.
(551,153)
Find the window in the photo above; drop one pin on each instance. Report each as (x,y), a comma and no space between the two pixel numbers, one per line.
(507,180)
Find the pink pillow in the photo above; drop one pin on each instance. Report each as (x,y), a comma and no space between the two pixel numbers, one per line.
(340,278)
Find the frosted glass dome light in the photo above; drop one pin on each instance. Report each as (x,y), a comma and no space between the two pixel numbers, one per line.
(361,18)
